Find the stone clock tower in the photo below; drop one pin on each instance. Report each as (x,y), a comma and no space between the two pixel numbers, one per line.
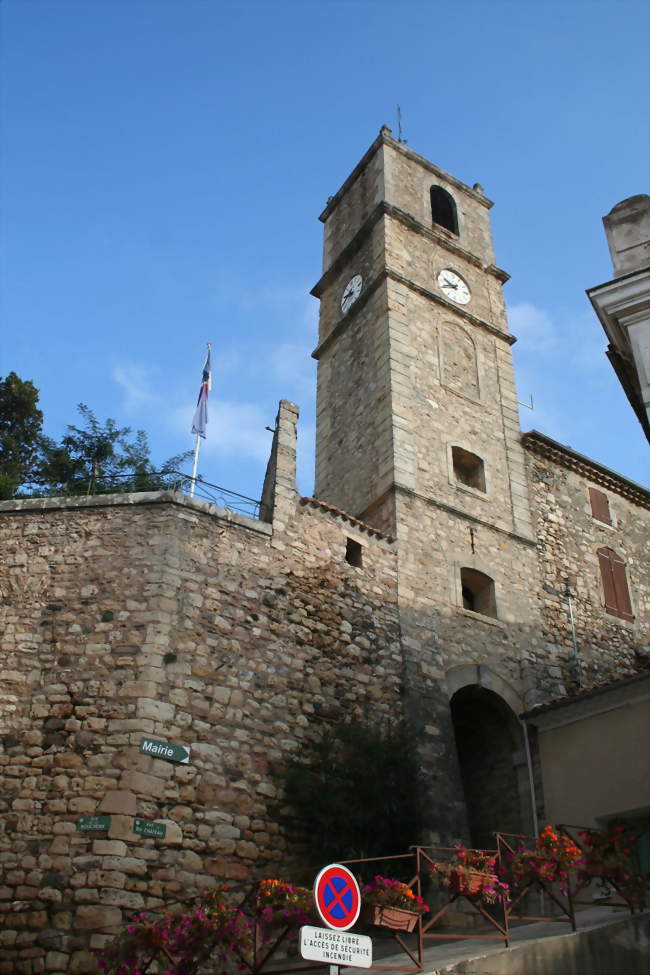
(417,426)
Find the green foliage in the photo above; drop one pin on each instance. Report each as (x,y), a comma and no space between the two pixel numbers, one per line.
(99,458)
(92,458)
(357,791)
(20,428)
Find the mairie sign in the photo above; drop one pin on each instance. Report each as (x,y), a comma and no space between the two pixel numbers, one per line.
(93,824)
(162,749)
(336,947)
(146,827)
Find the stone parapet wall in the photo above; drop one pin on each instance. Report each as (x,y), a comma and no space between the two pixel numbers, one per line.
(162,616)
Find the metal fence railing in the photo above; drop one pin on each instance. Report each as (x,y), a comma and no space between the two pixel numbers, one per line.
(150,481)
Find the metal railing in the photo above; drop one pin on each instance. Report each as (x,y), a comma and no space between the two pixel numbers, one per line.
(151,481)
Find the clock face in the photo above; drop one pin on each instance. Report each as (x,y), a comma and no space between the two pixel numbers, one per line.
(351,292)
(453,286)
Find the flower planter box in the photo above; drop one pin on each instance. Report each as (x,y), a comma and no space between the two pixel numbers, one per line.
(395,918)
(468,882)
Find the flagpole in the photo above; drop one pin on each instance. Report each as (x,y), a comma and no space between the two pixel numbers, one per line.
(197,447)
(201,419)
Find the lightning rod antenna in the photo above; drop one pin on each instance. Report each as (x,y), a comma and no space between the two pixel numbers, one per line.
(399,126)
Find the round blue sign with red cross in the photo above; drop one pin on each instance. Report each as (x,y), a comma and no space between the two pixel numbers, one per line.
(337,897)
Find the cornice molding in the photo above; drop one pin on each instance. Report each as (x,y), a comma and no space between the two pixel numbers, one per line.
(339,513)
(541,445)
(450,509)
(464,515)
(348,251)
(450,306)
(407,220)
(388,274)
(345,320)
(385,138)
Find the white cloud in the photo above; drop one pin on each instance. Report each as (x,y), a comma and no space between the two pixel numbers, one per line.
(234,429)
(136,384)
(532,326)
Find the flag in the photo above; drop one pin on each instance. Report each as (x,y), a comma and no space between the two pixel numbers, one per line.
(200,421)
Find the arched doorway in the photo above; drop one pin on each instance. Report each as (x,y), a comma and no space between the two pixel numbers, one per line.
(492,761)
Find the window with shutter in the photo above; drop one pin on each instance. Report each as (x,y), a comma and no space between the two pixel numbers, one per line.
(615,588)
(599,506)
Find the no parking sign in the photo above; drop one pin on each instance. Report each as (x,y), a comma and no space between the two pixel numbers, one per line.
(337,897)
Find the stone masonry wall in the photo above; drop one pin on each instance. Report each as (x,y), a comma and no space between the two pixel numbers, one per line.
(568,537)
(159,615)
(164,616)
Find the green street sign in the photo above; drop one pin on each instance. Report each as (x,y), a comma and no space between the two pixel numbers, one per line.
(93,824)
(162,749)
(145,827)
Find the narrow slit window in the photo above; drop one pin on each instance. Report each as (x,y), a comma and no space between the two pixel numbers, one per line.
(478,592)
(354,553)
(468,468)
(443,209)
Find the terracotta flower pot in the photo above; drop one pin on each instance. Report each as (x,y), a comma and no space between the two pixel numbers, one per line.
(469,882)
(396,918)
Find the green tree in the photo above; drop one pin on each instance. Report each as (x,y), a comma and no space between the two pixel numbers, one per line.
(98,458)
(357,791)
(20,429)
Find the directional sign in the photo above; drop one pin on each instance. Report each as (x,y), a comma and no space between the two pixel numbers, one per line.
(337,897)
(93,824)
(162,749)
(146,827)
(336,947)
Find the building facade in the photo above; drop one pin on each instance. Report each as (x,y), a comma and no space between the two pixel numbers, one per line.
(447,569)
(623,304)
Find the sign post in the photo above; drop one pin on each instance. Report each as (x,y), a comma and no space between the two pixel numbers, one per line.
(338,901)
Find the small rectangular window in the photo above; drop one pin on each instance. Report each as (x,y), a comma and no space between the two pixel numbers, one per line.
(599,506)
(478,592)
(354,553)
(468,468)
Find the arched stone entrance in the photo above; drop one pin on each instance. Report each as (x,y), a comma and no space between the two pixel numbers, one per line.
(491,756)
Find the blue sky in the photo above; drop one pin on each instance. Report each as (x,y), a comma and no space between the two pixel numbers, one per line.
(164,163)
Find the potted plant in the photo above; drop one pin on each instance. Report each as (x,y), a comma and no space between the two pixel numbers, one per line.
(178,944)
(609,854)
(551,859)
(607,851)
(471,873)
(392,904)
(278,902)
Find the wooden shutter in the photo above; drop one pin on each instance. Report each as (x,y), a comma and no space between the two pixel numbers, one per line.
(620,585)
(599,506)
(615,590)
